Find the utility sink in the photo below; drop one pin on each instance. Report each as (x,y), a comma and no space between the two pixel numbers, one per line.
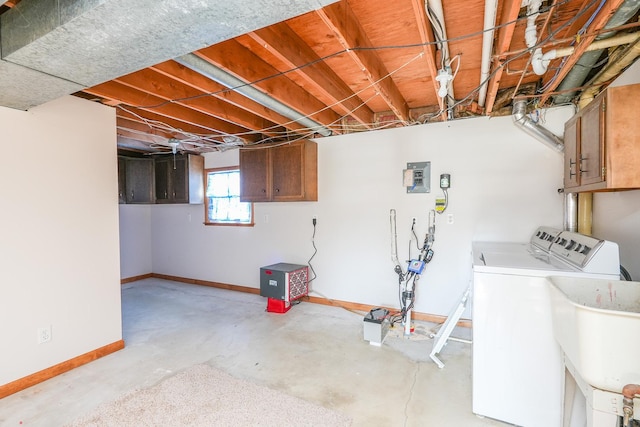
(597,324)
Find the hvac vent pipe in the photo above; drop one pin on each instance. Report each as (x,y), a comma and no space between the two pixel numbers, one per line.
(521,120)
(570,211)
(585,64)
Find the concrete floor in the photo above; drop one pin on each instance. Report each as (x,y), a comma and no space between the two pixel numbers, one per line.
(314,352)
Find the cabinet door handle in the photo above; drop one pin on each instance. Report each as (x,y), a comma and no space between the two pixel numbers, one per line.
(264,190)
(132,197)
(571,165)
(165,194)
(277,190)
(582,170)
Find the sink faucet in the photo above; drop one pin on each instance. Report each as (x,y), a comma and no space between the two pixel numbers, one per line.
(628,393)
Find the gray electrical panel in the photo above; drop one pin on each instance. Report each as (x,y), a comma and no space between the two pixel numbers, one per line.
(417,177)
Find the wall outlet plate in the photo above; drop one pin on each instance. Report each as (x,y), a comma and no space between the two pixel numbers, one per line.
(44,334)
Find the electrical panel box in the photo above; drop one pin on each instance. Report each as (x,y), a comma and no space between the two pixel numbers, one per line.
(417,177)
(283,283)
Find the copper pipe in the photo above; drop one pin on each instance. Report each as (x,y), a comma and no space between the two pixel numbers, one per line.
(628,391)
(631,390)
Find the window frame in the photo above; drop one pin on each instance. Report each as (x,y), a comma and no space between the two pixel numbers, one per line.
(206,201)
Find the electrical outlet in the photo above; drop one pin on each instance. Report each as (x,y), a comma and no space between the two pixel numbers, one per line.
(44,334)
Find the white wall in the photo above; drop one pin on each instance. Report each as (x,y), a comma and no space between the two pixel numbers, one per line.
(503,185)
(616,216)
(135,240)
(59,234)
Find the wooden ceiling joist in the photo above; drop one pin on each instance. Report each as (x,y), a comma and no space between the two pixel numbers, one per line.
(285,44)
(429,48)
(147,102)
(152,82)
(510,12)
(198,81)
(239,61)
(342,21)
(155,122)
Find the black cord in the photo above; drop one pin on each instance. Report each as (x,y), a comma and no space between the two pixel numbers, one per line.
(315,251)
(414,235)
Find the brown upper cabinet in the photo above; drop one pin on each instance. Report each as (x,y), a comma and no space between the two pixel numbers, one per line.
(179,179)
(165,179)
(135,180)
(284,173)
(602,143)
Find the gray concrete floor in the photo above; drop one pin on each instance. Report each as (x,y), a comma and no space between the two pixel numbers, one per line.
(313,352)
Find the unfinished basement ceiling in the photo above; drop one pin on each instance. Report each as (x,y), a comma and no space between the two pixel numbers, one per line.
(242,73)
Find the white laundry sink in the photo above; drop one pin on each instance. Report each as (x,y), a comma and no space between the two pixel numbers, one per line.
(597,324)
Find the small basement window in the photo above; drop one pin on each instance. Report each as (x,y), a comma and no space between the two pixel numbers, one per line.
(223,205)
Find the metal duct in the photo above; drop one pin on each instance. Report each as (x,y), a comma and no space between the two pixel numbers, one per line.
(524,122)
(626,58)
(71,44)
(570,222)
(209,70)
(579,72)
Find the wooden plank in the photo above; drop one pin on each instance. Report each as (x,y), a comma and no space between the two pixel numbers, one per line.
(135,278)
(342,21)
(60,368)
(157,84)
(287,46)
(196,80)
(429,49)
(234,58)
(148,102)
(598,23)
(510,12)
(156,121)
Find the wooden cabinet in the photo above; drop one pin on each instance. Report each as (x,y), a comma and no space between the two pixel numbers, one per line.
(138,180)
(285,173)
(602,143)
(179,179)
(122,182)
(161,179)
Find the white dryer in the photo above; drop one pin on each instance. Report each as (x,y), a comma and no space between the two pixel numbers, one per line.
(518,370)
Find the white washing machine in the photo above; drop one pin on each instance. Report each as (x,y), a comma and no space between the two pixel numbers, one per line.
(518,370)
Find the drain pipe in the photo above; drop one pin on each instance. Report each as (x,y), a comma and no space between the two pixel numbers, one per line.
(524,122)
(628,392)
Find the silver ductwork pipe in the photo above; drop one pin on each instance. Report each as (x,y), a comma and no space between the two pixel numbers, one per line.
(524,122)
(585,64)
(570,222)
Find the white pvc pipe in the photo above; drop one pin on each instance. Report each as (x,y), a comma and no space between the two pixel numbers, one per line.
(436,7)
(490,10)
(540,62)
